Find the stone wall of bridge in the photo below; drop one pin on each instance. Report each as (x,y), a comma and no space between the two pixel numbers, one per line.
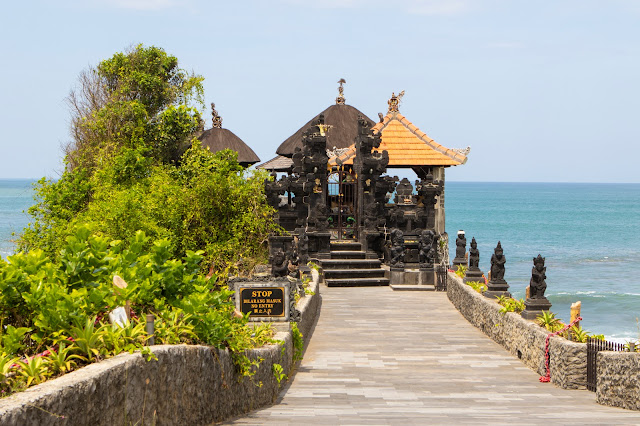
(522,338)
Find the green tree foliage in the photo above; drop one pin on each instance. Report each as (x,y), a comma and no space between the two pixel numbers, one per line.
(134,164)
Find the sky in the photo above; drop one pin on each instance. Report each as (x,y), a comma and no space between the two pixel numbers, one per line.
(540,91)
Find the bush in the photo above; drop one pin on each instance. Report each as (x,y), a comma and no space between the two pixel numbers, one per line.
(62,305)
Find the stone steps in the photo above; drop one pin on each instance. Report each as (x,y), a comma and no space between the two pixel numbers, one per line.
(349,267)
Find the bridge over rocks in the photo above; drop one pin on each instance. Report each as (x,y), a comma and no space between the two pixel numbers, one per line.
(383,357)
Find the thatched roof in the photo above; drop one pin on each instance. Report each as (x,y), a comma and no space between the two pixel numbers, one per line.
(342,134)
(278,164)
(217,139)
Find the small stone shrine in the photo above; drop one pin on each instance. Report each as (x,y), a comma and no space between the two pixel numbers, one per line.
(497,286)
(536,303)
(473,272)
(461,249)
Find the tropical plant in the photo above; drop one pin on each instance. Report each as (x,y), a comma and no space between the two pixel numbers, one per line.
(477,286)
(461,271)
(62,360)
(510,304)
(87,339)
(33,369)
(298,342)
(578,334)
(549,321)
(278,373)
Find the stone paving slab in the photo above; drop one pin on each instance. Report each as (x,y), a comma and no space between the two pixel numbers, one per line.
(379,357)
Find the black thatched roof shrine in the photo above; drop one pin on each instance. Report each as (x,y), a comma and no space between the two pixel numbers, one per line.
(216,139)
(343,120)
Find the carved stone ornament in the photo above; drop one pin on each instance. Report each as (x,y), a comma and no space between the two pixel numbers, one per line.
(340,100)
(537,284)
(215,118)
(497,264)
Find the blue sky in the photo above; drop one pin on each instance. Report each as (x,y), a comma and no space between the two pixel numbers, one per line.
(541,91)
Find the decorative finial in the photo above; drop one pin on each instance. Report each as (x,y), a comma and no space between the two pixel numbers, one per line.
(340,99)
(216,119)
(394,102)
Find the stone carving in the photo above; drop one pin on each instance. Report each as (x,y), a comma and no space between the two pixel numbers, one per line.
(404,192)
(461,245)
(497,264)
(427,246)
(474,254)
(397,249)
(537,284)
(474,273)
(497,286)
(428,190)
(279,264)
(536,303)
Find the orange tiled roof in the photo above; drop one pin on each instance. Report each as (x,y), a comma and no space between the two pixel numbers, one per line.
(407,145)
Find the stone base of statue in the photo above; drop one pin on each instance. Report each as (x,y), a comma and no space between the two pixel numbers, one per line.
(426,276)
(396,275)
(534,307)
(459,261)
(474,274)
(497,288)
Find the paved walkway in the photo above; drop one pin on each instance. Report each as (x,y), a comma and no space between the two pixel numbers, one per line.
(381,357)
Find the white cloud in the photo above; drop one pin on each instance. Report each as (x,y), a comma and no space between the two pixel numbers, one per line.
(420,7)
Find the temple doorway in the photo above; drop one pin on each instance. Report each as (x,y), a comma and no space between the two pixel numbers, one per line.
(342,203)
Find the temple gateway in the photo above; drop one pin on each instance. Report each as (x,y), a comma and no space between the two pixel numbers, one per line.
(333,194)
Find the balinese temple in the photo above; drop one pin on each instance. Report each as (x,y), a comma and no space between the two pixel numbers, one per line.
(342,209)
(216,139)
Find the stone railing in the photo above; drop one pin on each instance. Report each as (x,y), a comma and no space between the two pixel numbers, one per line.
(522,338)
(191,385)
(618,379)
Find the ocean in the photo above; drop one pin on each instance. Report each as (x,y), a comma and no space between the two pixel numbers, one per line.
(16,196)
(588,234)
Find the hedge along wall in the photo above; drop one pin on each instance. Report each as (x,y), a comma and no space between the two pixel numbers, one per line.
(190,385)
(522,338)
(618,378)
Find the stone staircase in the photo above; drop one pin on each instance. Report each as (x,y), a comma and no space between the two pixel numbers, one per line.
(349,267)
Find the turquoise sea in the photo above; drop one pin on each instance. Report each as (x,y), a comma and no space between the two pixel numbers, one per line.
(588,234)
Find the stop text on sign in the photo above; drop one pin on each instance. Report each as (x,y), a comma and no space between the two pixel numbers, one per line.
(263,302)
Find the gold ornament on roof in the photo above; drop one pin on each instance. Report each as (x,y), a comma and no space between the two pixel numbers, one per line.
(215,118)
(394,102)
(324,128)
(340,100)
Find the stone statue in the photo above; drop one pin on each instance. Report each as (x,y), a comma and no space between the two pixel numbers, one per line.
(397,249)
(427,251)
(461,245)
(279,264)
(474,254)
(538,285)
(497,264)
